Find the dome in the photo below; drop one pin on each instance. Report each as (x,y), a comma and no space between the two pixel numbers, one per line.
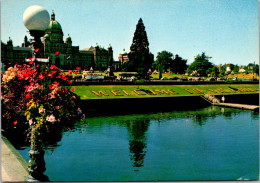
(124,52)
(109,46)
(54,25)
(10,40)
(36,18)
(68,38)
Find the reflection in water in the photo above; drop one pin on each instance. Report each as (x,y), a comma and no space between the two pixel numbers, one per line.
(203,139)
(137,144)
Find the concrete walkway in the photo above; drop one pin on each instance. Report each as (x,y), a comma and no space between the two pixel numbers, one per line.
(13,166)
(239,106)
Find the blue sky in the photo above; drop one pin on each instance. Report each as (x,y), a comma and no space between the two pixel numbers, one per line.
(227,30)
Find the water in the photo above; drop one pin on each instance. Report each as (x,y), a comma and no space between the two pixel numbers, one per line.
(206,144)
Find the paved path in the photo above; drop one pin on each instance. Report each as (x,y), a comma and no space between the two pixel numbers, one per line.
(239,106)
(13,166)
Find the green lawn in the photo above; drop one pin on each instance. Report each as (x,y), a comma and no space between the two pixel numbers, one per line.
(132,91)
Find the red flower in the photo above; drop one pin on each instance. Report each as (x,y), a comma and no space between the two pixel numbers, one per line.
(41,76)
(66,89)
(53,67)
(53,72)
(50,75)
(58,77)
(37,65)
(67,74)
(31,62)
(70,71)
(73,89)
(28,96)
(36,50)
(70,82)
(78,68)
(15,122)
(76,72)
(57,53)
(64,79)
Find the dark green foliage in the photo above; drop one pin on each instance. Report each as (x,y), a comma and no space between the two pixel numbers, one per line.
(163,61)
(215,72)
(256,69)
(201,64)
(178,65)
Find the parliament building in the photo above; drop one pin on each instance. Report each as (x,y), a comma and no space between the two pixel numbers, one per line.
(69,56)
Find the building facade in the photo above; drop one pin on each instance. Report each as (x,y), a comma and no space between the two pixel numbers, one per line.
(68,56)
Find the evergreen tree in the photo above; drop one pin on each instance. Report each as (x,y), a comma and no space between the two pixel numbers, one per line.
(139,50)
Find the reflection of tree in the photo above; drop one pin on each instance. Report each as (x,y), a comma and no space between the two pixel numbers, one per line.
(200,119)
(137,145)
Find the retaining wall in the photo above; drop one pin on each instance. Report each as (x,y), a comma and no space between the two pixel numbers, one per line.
(155,104)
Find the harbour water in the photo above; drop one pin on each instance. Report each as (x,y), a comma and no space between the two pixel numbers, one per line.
(212,143)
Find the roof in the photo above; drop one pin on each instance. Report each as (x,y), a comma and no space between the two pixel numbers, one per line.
(88,49)
(22,48)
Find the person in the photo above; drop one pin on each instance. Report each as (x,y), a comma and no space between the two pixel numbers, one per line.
(223,99)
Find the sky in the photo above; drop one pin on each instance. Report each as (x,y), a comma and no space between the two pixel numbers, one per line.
(226,30)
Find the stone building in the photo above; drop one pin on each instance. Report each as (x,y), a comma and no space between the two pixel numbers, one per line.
(123,57)
(69,56)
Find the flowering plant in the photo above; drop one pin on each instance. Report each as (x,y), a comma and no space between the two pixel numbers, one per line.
(33,97)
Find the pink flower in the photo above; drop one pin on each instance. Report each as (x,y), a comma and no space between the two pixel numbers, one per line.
(51,118)
(79,111)
(30,122)
(29,89)
(41,110)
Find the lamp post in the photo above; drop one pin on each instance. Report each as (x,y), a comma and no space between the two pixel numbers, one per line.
(36,19)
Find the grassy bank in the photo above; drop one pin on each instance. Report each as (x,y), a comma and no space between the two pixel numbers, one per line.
(133,91)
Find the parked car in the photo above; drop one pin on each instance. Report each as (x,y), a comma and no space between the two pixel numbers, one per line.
(221,79)
(174,78)
(211,79)
(164,78)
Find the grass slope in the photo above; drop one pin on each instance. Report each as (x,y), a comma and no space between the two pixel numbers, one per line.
(132,91)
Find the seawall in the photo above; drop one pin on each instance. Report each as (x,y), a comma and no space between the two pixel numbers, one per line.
(152,104)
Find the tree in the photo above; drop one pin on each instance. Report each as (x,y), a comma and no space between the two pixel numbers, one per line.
(215,72)
(139,51)
(236,69)
(163,61)
(178,65)
(256,69)
(201,64)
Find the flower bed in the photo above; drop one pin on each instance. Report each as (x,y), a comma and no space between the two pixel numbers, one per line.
(32,97)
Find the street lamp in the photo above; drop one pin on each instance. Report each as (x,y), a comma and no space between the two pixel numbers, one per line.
(36,19)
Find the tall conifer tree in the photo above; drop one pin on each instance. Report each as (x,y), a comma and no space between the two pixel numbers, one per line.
(139,50)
